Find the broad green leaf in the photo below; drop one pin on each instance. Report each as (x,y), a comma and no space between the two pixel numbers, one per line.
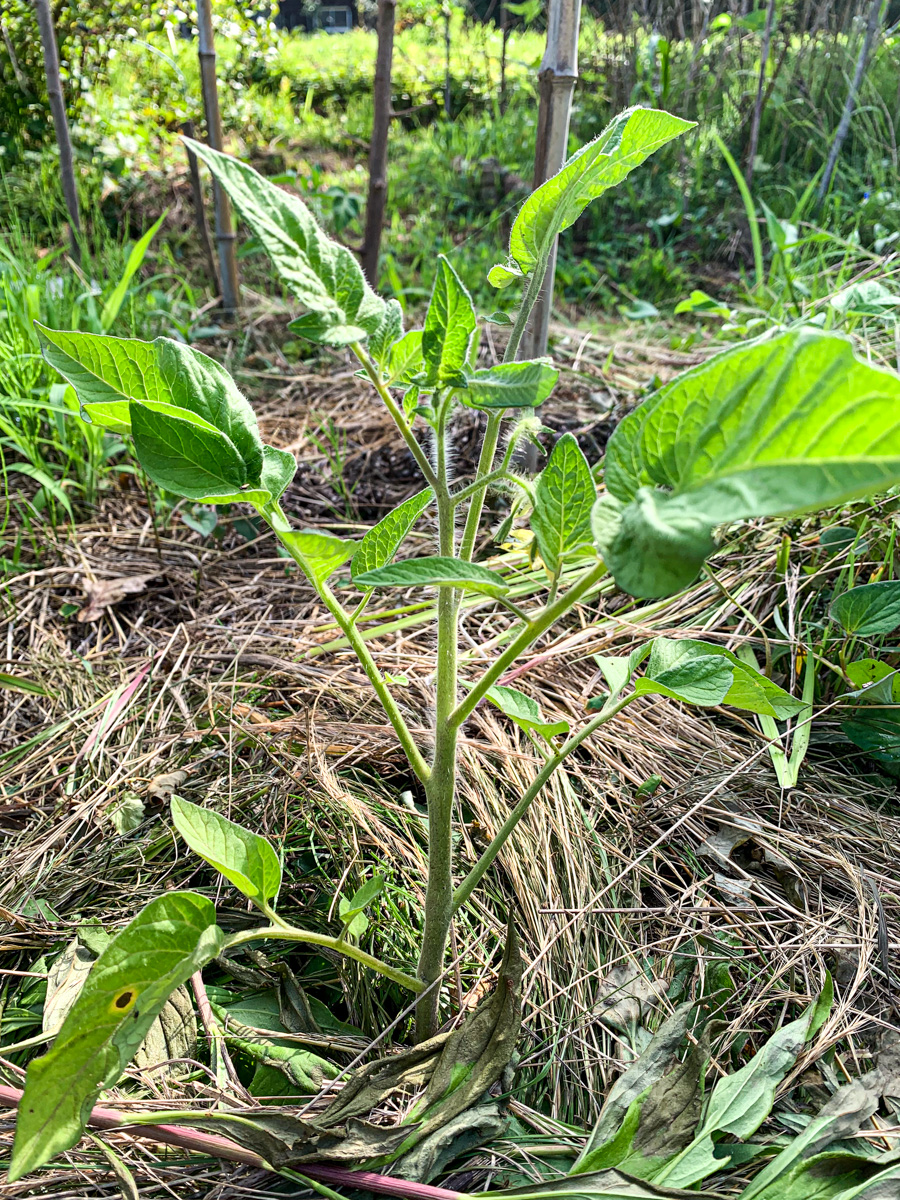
(108,372)
(779,426)
(509,385)
(563,501)
(449,325)
(703,681)
(116,298)
(877,732)
(364,895)
(323,275)
(869,610)
(243,857)
(318,554)
(739,1103)
(184,456)
(875,681)
(697,672)
(627,141)
(405,360)
(383,540)
(387,333)
(832,1175)
(174,936)
(839,1118)
(278,469)
(435,571)
(524,711)
(618,670)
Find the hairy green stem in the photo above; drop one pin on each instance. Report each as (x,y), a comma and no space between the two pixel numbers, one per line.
(440,787)
(289,933)
(529,299)
(523,639)
(391,405)
(474,877)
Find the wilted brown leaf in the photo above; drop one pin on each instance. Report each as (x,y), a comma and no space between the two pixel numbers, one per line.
(102,593)
(161,787)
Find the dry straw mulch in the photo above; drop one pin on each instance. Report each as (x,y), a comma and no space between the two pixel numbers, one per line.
(220,663)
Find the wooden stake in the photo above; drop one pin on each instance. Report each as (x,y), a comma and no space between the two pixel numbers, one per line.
(376,201)
(187,128)
(556,79)
(60,124)
(225,235)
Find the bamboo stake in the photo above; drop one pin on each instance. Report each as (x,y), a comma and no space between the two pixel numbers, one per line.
(557,77)
(60,124)
(187,128)
(376,201)
(225,235)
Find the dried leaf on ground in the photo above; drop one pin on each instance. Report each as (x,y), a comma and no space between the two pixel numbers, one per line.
(100,594)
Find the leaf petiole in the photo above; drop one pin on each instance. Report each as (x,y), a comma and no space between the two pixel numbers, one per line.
(291,933)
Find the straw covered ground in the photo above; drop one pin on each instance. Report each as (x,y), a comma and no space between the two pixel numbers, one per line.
(162,660)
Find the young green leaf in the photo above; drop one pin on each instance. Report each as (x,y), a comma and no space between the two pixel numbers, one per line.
(174,936)
(564,498)
(778,426)
(324,276)
(627,141)
(369,891)
(435,571)
(509,385)
(183,455)
(108,372)
(869,610)
(319,554)
(525,712)
(405,360)
(449,325)
(351,912)
(618,670)
(387,333)
(383,540)
(704,674)
(243,857)
(278,469)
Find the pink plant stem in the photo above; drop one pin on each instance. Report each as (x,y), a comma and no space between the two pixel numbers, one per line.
(219,1147)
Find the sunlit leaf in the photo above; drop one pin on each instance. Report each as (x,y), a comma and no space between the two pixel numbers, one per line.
(779,426)
(564,498)
(627,141)
(509,385)
(243,857)
(525,712)
(174,936)
(449,325)
(383,540)
(435,571)
(324,275)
